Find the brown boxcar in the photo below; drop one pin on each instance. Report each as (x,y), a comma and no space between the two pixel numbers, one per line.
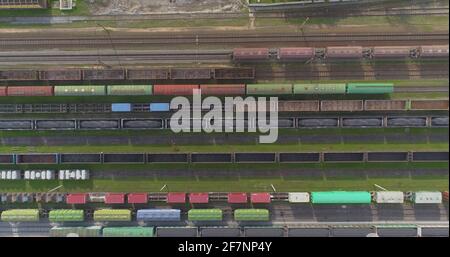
(60,75)
(174,89)
(298,106)
(223,89)
(19,75)
(429,104)
(289,53)
(3,91)
(385,105)
(30,91)
(434,51)
(391,51)
(243,54)
(200,73)
(341,105)
(104,74)
(445,196)
(162,73)
(234,73)
(344,52)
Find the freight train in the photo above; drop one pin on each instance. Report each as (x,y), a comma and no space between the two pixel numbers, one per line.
(283,106)
(242,73)
(340,52)
(206,89)
(236,200)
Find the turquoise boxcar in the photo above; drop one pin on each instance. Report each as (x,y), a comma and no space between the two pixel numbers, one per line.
(341,197)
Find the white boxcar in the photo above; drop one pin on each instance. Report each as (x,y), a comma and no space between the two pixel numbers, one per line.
(389,197)
(301,197)
(427,197)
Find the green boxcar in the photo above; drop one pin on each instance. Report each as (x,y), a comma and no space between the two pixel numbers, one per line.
(130,90)
(319,89)
(112,215)
(93,231)
(205,214)
(65,215)
(80,90)
(251,215)
(370,88)
(128,232)
(20,215)
(341,197)
(269,89)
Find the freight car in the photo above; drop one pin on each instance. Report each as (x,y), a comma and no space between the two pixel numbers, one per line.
(215,214)
(207,89)
(340,52)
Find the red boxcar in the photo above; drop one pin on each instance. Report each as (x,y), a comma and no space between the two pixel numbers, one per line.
(199,197)
(174,89)
(2,91)
(176,198)
(230,89)
(445,196)
(114,198)
(76,198)
(260,198)
(30,91)
(344,52)
(237,197)
(137,198)
(251,54)
(289,53)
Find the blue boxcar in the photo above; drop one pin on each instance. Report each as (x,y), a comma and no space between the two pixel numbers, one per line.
(122,107)
(158,215)
(159,107)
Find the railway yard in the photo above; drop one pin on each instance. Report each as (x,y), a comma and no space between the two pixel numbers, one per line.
(89,148)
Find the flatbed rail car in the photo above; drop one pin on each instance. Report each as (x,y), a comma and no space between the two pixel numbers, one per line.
(255,213)
(157,74)
(207,89)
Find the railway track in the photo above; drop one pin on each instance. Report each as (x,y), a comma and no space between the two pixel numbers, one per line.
(351,73)
(229,39)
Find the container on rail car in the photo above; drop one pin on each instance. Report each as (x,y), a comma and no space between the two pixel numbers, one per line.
(269,89)
(445,196)
(223,89)
(295,53)
(344,52)
(251,215)
(341,197)
(92,231)
(389,197)
(3,91)
(112,215)
(427,197)
(393,52)
(336,88)
(205,215)
(174,89)
(158,215)
(299,197)
(80,90)
(20,215)
(250,54)
(29,91)
(130,90)
(434,51)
